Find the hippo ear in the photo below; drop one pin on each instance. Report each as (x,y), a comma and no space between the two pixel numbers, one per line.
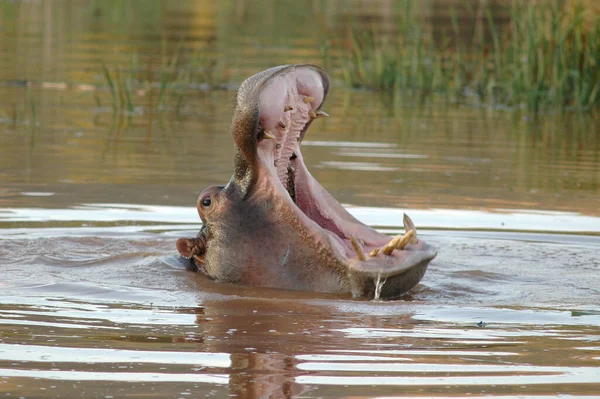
(262,101)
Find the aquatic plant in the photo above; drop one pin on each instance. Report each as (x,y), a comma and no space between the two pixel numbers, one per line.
(546,58)
(159,87)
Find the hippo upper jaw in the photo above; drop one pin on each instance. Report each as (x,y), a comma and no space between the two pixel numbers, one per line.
(280,227)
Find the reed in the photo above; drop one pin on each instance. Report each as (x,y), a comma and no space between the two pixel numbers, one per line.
(133,89)
(111,86)
(545,59)
(33,122)
(32,108)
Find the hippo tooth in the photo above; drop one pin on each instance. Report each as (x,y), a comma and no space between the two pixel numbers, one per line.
(322,114)
(390,246)
(312,114)
(398,242)
(308,99)
(406,238)
(288,108)
(199,259)
(268,135)
(409,225)
(359,252)
(281,125)
(374,252)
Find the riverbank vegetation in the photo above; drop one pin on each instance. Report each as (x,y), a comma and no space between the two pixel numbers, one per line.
(548,57)
(543,57)
(158,85)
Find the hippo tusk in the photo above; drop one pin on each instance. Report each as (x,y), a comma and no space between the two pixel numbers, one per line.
(374,252)
(322,114)
(398,242)
(390,246)
(359,252)
(409,225)
(406,238)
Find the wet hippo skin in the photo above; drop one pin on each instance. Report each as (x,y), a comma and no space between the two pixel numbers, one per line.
(274,225)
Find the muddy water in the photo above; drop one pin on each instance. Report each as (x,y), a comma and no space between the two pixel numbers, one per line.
(94,301)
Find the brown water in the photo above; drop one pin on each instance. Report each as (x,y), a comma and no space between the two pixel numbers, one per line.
(95,302)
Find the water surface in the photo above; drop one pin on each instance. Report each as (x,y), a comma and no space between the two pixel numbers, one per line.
(95,301)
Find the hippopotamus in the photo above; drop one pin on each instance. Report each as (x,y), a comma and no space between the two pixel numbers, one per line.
(274,225)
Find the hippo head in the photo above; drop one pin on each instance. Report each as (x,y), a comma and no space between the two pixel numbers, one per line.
(274,225)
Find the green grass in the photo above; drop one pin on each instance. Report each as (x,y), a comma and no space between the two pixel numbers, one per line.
(545,59)
(150,88)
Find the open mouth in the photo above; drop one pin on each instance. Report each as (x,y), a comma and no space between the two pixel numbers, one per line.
(289,103)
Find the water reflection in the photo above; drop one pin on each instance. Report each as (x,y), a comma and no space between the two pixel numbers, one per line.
(234,37)
(415,158)
(255,346)
(85,355)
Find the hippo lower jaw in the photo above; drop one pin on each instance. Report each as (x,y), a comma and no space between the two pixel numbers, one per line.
(306,239)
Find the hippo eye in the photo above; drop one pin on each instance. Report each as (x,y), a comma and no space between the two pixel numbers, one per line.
(206,201)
